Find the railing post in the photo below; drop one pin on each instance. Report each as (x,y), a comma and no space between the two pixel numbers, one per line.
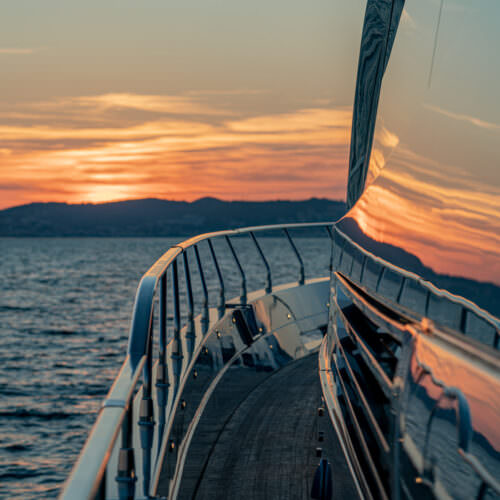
(205,312)
(330,234)
(221,307)
(299,258)
(243,289)
(146,417)
(126,477)
(190,334)
(177,344)
(162,373)
(269,283)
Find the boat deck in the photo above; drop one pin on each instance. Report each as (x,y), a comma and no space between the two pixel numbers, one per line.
(258,439)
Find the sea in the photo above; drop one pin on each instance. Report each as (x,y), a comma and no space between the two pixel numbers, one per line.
(65,310)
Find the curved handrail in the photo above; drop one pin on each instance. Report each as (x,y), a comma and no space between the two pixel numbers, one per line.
(466,304)
(144,297)
(89,481)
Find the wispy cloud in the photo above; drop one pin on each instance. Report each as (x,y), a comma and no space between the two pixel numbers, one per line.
(462,117)
(165,104)
(20,51)
(180,154)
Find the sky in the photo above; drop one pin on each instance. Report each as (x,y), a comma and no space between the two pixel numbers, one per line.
(113,100)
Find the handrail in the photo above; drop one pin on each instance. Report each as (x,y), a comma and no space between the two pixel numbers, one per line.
(87,479)
(425,332)
(464,303)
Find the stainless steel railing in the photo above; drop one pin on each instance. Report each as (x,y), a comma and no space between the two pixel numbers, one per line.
(414,338)
(88,477)
(344,245)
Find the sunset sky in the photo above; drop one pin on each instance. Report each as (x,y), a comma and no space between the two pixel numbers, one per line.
(123,99)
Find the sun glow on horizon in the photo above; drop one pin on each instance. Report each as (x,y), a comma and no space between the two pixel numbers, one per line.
(129,146)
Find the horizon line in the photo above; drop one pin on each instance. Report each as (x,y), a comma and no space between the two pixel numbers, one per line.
(125,200)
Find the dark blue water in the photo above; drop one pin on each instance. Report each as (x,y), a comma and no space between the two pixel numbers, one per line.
(65,307)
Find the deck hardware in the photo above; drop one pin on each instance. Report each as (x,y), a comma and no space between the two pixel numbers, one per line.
(176,355)
(205,312)
(113,403)
(246,324)
(322,487)
(146,428)
(162,383)
(299,258)
(269,283)
(126,477)
(427,326)
(222,300)
(243,284)
(190,336)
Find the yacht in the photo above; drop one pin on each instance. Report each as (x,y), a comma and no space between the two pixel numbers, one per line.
(379,379)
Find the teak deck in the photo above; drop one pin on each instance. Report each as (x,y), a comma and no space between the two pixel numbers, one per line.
(257,439)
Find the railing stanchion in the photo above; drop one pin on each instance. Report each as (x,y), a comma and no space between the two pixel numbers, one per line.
(177,343)
(330,234)
(269,283)
(190,334)
(126,476)
(243,288)
(146,416)
(204,313)
(299,258)
(221,307)
(162,373)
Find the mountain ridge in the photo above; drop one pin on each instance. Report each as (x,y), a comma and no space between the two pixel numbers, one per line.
(157,217)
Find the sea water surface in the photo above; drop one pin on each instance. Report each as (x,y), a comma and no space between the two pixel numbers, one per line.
(65,308)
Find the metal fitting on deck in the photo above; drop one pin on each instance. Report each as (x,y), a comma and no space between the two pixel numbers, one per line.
(126,477)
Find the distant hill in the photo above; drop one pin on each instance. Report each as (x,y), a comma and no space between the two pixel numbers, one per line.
(154,217)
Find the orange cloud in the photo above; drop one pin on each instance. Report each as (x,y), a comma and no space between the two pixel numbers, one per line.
(182,156)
